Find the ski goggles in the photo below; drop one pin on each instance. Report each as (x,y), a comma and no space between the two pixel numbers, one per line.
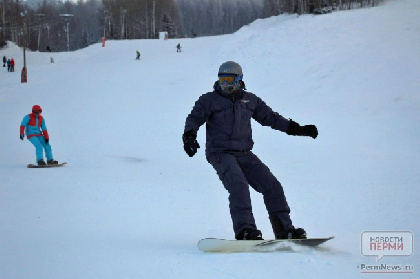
(230,79)
(37,111)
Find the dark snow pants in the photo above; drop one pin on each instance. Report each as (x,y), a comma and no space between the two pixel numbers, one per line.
(238,171)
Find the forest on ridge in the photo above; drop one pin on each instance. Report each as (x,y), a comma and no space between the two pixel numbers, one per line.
(57,25)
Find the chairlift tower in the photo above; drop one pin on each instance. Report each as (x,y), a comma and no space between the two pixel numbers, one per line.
(24,72)
(67,18)
(40,18)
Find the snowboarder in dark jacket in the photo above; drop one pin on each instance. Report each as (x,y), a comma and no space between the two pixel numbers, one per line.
(227,112)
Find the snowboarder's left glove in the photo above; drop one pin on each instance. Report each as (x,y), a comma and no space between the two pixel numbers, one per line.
(296,130)
(22,136)
(47,141)
(190,142)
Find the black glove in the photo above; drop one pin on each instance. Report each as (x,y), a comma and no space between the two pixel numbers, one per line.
(47,141)
(296,130)
(190,142)
(22,136)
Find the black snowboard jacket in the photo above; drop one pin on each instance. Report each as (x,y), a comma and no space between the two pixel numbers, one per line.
(228,119)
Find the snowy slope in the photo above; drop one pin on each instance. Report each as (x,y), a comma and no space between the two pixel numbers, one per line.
(131,204)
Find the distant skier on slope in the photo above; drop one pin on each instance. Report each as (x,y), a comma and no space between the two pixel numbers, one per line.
(33,125)
(227,112)
(12,65)
(178,47)
(137,55)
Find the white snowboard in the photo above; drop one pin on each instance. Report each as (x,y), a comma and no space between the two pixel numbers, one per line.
(224,245)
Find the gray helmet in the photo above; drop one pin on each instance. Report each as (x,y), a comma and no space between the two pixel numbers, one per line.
(230,68)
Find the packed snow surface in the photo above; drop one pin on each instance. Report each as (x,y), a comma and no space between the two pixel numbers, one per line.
(131,204)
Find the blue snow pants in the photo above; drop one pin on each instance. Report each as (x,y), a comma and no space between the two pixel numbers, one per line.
(40,145)
(238,171)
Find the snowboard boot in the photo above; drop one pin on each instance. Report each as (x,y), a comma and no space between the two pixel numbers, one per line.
(294,233)
(277,225)
(281,233)
(41,162)
(249,234)
(52,162)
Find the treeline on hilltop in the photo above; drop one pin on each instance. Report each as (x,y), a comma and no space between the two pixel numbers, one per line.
(42,24)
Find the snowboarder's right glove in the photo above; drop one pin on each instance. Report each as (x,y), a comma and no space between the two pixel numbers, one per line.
(296,130)
(190,142)
(22,136)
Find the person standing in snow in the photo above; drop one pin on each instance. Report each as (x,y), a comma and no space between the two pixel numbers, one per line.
(33,125)
(227,112)
(178,47)
(12,65)
(8,65)
(137,55)
(4,61)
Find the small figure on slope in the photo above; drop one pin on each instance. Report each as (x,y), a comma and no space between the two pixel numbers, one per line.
(12,65)
(137,55)
(227,112)
(33,125)
(178,47)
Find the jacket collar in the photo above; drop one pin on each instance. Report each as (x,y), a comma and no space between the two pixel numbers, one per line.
(237,95)
(33,115)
